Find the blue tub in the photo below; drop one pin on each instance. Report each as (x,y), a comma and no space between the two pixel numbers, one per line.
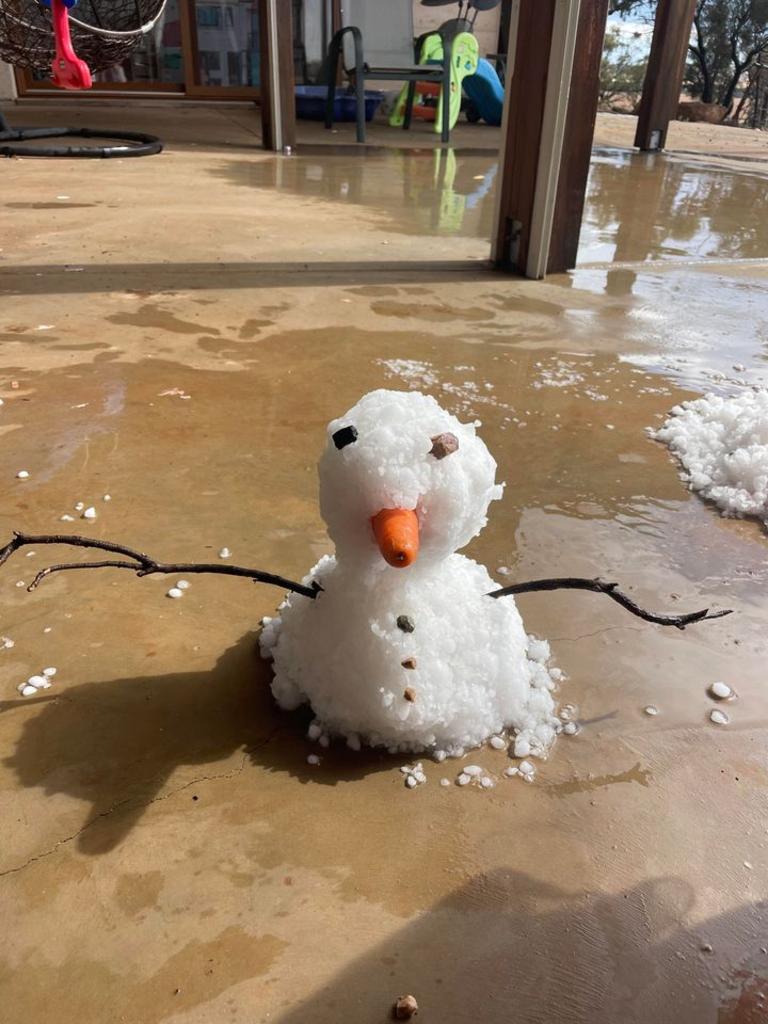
(310,103)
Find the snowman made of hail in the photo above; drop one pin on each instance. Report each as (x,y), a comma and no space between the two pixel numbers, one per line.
(403,648)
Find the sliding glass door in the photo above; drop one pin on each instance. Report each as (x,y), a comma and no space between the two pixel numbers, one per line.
(206,49)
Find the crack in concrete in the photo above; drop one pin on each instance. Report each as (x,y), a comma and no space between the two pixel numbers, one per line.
(138,806)
(597,632)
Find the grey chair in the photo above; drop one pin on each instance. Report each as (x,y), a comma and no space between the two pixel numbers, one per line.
(378,45)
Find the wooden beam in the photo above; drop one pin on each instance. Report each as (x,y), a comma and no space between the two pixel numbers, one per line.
(526,88)
(546,38)
(278,103)
(664,74)
(579,133)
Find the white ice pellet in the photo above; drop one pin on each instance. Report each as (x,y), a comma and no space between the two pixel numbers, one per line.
(538,650)
(721,691)
(324,740)
(225,553)
(472,769)
(522,747)
(651,709)
(49,671)
(79,506)
(405,769)
(410,781)
(314,731)
(20,583)
(570,728)
(497,742)
(175,593)
(420,777)
(28,690)
(512,770)
(106,497)
(23,474)
(313,759)
(66,518)
(526,768)
(182,585)
(445,782)
(486,782)
(37,680)
(718,717)
(439,755)
(6,642)
(463,779)
(89,513)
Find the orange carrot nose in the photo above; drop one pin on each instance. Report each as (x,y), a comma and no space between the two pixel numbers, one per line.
(397,533)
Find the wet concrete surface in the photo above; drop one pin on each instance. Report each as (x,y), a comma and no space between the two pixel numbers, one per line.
(169,855)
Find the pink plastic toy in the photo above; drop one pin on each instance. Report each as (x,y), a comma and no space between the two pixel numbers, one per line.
(67,70)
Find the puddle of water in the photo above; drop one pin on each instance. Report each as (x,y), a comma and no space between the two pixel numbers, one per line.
(641,776)
(638,207)
(642,207)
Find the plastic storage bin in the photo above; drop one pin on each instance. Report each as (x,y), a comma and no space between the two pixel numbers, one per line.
(310,103)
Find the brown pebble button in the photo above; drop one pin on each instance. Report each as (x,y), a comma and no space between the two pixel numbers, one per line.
(409,694)
(409,663)
(443,444)
(405,623)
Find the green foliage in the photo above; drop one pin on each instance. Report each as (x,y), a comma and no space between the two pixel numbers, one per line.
(729,37)
(621,73)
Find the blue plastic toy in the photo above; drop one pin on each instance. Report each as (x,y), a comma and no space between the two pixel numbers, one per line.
(485,93)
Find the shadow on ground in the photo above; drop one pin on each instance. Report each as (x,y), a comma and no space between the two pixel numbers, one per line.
(115,744)
(508,947)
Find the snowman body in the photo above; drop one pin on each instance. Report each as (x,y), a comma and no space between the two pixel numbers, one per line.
(418,657)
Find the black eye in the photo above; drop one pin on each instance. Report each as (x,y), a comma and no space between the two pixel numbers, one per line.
(345,436)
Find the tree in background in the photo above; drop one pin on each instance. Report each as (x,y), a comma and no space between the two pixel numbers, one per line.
(621,73)
(729,38)
(728,54)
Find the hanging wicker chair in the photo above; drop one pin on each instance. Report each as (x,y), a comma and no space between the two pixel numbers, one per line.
(103,31)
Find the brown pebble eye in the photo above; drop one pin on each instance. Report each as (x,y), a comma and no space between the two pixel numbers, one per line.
(344,436)
(444,444)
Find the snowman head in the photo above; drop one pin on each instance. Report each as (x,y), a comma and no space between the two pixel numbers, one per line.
(403,481)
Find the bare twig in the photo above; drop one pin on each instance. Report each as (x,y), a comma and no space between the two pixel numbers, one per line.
(142,564)
(610,590)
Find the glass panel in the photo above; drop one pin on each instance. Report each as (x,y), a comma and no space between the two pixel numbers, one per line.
(227,42)
(311,38)
(157,58)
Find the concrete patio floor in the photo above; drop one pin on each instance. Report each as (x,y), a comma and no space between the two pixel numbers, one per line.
(176,332)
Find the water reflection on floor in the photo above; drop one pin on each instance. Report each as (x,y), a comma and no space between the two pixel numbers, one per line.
(638,206)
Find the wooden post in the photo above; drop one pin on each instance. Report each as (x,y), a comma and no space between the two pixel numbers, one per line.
(579,132)
(664,74)
(546,36)
(278,103)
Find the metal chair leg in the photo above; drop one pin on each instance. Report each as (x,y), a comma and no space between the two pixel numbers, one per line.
(360,103)
(445,134)
(409,105)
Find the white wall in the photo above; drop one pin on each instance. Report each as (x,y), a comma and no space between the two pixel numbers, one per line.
(486,27)
(7,82)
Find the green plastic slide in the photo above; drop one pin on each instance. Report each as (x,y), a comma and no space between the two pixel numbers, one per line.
(464,59)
